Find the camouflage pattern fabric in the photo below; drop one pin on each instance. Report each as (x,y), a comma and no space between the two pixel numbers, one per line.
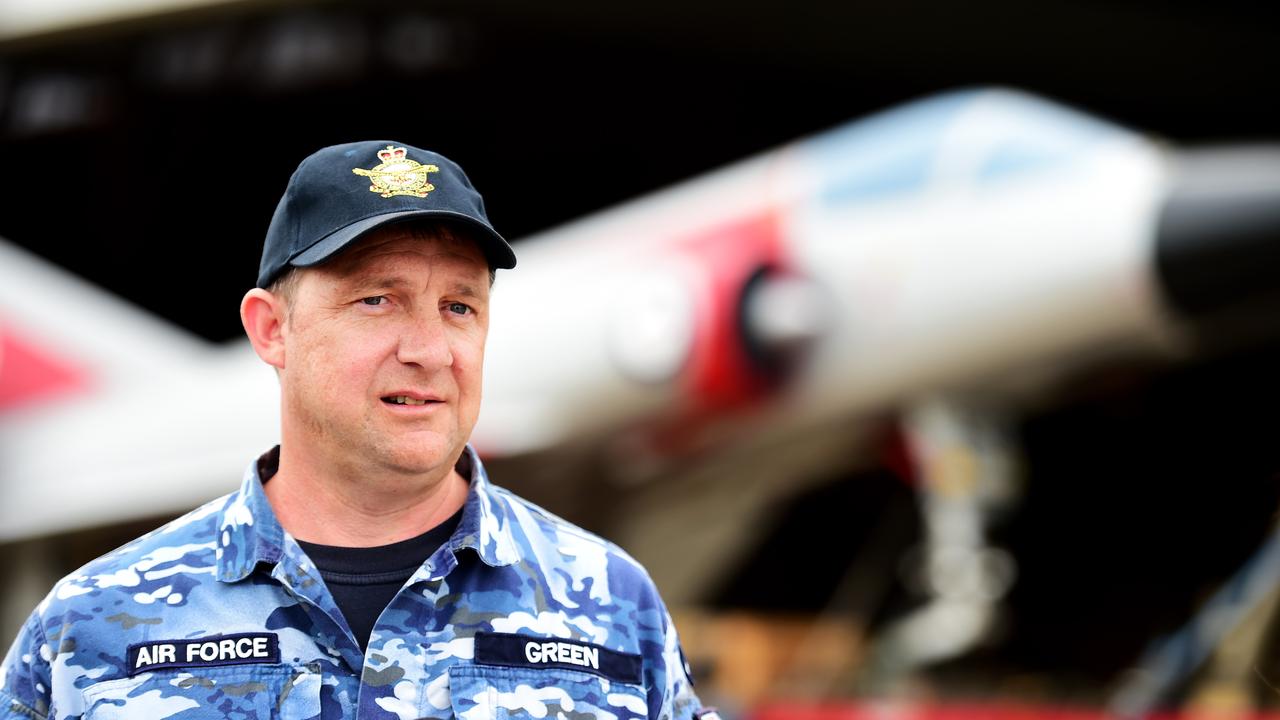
(219,614)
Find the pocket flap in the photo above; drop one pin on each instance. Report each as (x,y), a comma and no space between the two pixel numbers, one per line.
(276,691)
(505,693)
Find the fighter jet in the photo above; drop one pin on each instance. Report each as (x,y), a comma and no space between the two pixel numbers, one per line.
(939,262)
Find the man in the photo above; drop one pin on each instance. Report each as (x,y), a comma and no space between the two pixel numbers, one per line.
(366,567)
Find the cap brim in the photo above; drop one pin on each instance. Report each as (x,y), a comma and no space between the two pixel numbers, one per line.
(496,250)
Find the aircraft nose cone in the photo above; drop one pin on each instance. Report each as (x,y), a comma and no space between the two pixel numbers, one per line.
(1218,234)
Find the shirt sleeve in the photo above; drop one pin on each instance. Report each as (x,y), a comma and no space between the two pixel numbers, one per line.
(679,700)
(25,676)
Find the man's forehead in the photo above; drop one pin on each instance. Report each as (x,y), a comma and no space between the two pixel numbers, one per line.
(385,244)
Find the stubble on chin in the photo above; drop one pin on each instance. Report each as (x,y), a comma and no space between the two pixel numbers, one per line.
(364,448)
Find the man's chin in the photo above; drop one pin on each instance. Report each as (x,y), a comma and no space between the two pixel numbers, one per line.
(420,459)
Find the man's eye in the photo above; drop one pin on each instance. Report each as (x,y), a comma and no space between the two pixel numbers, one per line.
(375,300)
(459,308)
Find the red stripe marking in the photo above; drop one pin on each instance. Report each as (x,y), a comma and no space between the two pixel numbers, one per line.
(29,374)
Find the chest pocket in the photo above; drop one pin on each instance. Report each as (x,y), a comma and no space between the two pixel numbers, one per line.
(242,692)
(508,693)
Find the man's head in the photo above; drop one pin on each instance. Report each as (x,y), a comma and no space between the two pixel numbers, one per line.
(342,192)
(378,338)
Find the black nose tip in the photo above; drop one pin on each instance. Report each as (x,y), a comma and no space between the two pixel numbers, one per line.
(1218,237)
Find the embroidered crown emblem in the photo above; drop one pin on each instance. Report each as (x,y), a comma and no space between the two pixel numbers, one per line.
(398,175)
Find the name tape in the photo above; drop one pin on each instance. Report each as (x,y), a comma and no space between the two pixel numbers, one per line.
(238,649)
(512,650)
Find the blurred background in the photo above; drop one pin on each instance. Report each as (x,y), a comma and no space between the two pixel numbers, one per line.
(925,353)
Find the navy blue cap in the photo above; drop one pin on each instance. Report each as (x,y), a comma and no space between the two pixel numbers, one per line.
(341,192)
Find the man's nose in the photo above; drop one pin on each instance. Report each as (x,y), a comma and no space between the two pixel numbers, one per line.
(425,342)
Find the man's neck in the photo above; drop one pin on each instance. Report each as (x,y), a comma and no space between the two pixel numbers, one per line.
(332,506)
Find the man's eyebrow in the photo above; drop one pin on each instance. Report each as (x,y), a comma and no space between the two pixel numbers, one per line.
(467,291)
(380,281)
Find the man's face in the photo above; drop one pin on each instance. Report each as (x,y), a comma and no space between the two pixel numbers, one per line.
(384,347)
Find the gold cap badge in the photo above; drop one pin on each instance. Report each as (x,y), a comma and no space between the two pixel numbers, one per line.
(398,175)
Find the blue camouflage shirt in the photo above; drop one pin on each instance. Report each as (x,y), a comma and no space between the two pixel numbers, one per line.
(220,614)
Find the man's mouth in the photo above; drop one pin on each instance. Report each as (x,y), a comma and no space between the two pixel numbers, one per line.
(405,400)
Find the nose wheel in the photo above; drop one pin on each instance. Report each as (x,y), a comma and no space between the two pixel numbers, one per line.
(967,474)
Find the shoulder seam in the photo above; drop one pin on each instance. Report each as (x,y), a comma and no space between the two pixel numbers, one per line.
(36,620)
(42,640)
(109,557)
(553,518)
(563,525)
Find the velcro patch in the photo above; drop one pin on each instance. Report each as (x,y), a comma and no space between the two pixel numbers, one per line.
(541,652)
(237,649)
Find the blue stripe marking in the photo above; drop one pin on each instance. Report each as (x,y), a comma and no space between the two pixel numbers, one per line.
(895,152)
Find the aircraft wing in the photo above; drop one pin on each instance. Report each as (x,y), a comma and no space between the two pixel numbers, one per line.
(109,414)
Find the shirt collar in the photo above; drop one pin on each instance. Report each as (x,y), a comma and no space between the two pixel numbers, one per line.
(250,534)
(486,525)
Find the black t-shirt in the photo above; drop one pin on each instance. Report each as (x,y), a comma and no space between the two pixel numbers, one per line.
(363,580)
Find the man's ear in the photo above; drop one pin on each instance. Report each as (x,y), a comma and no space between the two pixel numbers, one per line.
(263,316)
